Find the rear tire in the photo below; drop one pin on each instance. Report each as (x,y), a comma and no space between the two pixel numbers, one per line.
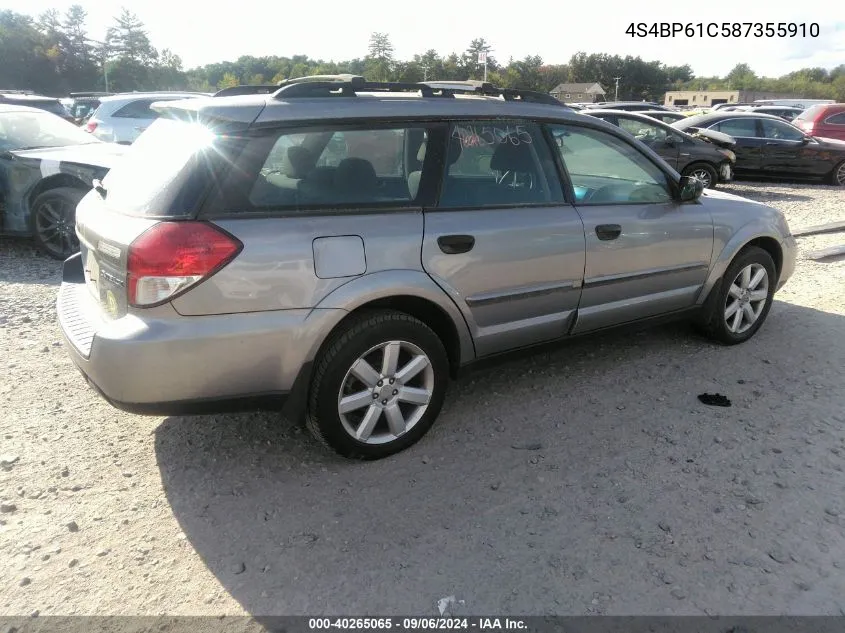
(837,176)
(747,289)
(704,172)
(53,221)
(378,386)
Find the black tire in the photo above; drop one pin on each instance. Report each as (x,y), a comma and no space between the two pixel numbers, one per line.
(713,323)
(712,175)
(837,176)
(342,351)
(53,221)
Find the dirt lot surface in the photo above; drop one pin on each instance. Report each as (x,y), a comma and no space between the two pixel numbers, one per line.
(587,479)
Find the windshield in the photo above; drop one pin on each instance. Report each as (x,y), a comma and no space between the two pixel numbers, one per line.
(809,114)
(31,130)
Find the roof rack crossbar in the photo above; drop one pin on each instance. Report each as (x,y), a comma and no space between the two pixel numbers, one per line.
(347,88)
(351,85)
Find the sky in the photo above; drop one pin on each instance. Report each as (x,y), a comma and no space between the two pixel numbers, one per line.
(340,29)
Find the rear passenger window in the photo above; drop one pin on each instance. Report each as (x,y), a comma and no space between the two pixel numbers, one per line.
(498,163)
(746,128)
(331,168)
(836,119)
(137,110)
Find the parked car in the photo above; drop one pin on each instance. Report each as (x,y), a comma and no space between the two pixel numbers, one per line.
(46,165)
(787,113)
(793,103)
(767,145)
(629,106)
(121,118)
(701,157)
(728,106)
(83,104)
(227,255)
(30,99)
(823,121)
(664,115)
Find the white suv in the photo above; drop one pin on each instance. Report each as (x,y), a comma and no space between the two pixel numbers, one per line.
(121,118)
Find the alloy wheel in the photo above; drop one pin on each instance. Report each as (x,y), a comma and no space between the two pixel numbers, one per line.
(54,222)
(746,300)
(702,175)
(385,392)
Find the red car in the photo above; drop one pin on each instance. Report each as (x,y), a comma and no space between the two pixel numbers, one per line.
(823,120)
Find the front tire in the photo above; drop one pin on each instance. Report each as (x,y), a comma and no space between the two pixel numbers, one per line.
(704,172)
(378,386)
(53,221)
(741,303)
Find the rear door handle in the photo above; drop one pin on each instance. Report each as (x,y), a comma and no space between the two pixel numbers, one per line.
(606,232)
(455,244)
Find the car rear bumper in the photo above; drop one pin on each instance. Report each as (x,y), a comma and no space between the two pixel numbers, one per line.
(163,363)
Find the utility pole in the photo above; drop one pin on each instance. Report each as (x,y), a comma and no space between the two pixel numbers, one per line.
(425,72)
(616,98)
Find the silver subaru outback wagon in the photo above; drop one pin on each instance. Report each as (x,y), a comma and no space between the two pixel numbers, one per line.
(350,247)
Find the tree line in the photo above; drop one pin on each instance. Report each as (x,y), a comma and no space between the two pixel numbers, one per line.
(53,54)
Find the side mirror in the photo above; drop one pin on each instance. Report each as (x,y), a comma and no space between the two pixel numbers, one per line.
(690,188)
(806,139)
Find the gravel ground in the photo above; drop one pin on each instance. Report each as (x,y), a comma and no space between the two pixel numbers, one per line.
(584,480)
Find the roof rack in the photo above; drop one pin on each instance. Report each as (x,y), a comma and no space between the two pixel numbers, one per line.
(79,95)
(351,85)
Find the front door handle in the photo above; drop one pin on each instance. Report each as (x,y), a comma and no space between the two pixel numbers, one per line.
(455,244)
(606,232)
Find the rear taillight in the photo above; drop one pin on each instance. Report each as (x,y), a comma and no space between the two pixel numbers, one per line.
(171,257)
(90,126)
(806,126)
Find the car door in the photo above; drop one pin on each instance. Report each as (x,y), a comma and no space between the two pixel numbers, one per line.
(647,254)
(787,153)
(501,241)
(749,144)
(663,142)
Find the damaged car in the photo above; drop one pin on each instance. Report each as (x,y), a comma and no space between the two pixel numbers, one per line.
(47,165)
(706,157)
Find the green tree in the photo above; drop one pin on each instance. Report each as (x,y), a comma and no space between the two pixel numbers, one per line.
(24,64)
(129,54)
(379,59)
(741,77)
(469,60)
(229,81)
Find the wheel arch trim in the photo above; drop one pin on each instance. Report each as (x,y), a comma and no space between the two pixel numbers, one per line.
(368,289)
(752,232)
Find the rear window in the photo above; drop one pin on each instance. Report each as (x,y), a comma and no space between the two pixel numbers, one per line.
(810,113)
(166,172)
(52,106)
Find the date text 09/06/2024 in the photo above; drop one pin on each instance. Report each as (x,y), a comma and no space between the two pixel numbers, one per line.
(416,623)
(723,29)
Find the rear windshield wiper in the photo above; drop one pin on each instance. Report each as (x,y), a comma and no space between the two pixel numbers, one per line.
(98,187)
